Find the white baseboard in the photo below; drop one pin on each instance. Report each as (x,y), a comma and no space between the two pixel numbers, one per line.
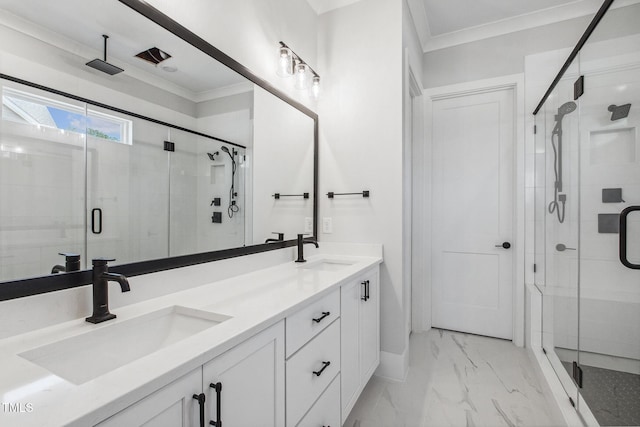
(393,366)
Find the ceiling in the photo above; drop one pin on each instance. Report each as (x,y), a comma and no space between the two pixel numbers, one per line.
(77,26)
(445,23)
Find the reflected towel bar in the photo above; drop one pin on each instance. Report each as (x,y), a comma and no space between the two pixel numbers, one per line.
(303,195)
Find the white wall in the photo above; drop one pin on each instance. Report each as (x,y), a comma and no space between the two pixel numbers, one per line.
(360,56)
(283,160)
(415,195)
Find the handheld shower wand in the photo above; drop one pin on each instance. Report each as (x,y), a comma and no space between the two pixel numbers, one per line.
(554,206)
(233,206)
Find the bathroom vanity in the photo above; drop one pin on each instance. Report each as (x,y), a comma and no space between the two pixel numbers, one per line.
(290,345)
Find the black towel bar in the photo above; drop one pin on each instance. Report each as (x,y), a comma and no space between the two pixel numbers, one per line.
(364,193)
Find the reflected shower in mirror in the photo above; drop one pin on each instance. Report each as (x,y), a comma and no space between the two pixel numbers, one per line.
(175,155)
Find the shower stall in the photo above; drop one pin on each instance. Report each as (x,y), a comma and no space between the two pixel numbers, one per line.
(587,225)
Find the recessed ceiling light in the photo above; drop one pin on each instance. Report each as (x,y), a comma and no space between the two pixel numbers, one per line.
(169,69)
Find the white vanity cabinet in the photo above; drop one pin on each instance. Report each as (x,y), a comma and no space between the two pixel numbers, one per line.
(251,393)
(171,406)
(313,362)
(306,370)
(360,335)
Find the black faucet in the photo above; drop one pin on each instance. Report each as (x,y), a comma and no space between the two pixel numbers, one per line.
(279,239)
(72,263)
(101,279)
(301,242)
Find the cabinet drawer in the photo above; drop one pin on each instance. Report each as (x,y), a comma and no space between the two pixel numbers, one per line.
(301,326)
(326,410)
(302,384)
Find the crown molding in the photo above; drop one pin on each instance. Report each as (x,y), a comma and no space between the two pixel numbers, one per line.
(518,23)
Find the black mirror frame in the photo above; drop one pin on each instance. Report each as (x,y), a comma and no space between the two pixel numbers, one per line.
(43,284)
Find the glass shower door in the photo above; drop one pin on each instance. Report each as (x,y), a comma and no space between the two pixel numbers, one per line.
(558,138)
(610,231)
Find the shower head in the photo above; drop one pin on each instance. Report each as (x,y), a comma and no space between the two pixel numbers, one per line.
(103,65)
(230,153)
(619,111)
(566,108)
(211,155)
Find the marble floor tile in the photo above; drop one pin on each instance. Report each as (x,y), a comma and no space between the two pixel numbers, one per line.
(457,379)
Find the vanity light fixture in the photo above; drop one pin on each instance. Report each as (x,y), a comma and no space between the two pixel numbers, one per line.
(290,64)
(285,62)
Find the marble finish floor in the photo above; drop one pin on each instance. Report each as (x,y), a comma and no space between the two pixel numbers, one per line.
(458,379)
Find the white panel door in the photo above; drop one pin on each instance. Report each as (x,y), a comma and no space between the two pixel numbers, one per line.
(473,175)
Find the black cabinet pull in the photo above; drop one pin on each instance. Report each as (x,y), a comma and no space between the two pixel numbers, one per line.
(201,399)
(324,314)
(96,224)
(218,388)
(366,291)
(318,373)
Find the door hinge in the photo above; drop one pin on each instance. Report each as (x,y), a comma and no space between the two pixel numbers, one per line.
(169,146)
(535,129)
(535,268)
(577,374)
(578,88)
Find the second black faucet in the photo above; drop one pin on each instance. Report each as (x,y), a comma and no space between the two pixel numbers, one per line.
(301,242)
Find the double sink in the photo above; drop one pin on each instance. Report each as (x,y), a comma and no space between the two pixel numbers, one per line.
(83,357)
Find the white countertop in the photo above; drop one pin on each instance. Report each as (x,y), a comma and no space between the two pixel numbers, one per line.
(254,301)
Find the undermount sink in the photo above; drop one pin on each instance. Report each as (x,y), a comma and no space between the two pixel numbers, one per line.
(328,265)
(84,357)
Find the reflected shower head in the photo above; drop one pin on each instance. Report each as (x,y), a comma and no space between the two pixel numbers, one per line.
(211,155)
(225,149)
(567,108)
(619,111)
(103,65)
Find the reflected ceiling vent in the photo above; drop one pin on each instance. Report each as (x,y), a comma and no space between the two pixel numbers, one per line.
(154,55)
(619,111)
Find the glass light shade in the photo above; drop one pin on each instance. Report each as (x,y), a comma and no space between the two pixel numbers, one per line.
(302,79)
(285,62)
(315,87)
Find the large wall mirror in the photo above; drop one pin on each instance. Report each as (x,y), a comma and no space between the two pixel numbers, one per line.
(139,146)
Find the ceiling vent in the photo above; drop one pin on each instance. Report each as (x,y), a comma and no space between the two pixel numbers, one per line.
(154,55)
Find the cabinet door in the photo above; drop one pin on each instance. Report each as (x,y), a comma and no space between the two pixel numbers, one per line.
(326,411)
(369,321)
(252,382)
(171,406)
(349,347)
